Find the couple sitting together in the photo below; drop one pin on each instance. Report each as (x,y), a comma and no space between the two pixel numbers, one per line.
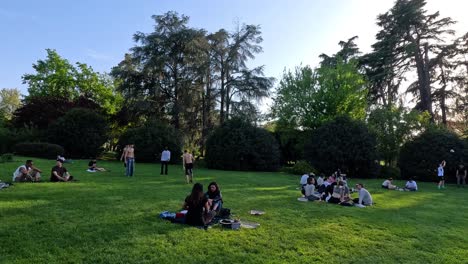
(202,207)
(29,173)
(409,186)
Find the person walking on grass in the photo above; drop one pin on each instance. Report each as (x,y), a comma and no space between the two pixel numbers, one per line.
(461,175)
(188,160)
(129,158)
(440,175)
(165,158)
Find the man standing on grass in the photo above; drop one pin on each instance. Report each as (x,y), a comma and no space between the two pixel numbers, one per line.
(461,175)
(27,173)
(187,159)
(165,158)
(440,174)
(129,158)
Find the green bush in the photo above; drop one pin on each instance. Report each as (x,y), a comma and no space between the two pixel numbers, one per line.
(150,140)
(421,157)
(238,145)
(300,168)
(7,157)
(390,172)
(39,150)
(82,132)
(344,144)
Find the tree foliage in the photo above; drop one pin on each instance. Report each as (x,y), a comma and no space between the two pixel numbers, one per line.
(81,132)
(420,157)
(238,145)
(345,144)
(150,140)
(9,102)
(393,127)
(57,77)
(308,98)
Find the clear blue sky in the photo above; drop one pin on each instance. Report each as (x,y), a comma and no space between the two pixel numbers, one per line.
(99,32)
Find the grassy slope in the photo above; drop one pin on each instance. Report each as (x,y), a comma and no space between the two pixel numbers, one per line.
(108,218)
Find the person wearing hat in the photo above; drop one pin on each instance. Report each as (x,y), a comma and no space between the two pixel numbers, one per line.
(60,173)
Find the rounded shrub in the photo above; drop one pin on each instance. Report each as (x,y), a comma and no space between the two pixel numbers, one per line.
(301,167)
(238,145)
(420,157)
(82,132)
(38,150)
(150,140)
(344,144)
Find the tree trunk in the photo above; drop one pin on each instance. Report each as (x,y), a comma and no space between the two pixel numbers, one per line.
(422,65)
(443,107)
(222,94)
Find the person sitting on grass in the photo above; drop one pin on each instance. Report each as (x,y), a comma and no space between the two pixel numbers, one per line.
(365,198)
(60,173)
(215,199)
(27,173)
(340,193)
(303,182)
(198,209)
(388,184)
(309,190)
(320,180)
(411,185)
(92,167)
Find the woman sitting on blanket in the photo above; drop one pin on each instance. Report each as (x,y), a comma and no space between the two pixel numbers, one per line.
(198,209)
(215,199)
(388,184)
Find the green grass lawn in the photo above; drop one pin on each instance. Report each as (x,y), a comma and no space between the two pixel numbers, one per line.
(108,218)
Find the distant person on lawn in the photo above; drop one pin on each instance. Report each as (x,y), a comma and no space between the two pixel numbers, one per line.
(27,173)
(92,166)
(461,175)
(165,158)
(388,184)
(129,158)
(365,197)
(188,160)
(411,185)
(123,155)
(197,206)
(60,173)
(440,175)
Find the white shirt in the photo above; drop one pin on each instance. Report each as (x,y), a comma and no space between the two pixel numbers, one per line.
(319,181)
(411,185)
(440,171)
(364,197)
(386,183)
(304,179)
(166,155)
(18,171)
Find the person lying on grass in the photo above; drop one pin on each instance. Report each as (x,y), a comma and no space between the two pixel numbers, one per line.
(27,173)
(198,209)
(411,185)
(60,173)
(309,189)
(365,197)
(215,199)
(388,184)
(93,167)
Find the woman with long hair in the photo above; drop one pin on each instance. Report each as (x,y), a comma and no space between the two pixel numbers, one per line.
(198,210)
(215,199)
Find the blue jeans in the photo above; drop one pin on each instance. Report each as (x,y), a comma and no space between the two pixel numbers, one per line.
(130,167)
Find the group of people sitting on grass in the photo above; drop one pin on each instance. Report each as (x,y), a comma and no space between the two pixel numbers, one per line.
(334,189)
(29,173)
(202,207)
(410,185)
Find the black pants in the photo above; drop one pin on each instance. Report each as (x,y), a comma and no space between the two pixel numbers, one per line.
(164,167)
